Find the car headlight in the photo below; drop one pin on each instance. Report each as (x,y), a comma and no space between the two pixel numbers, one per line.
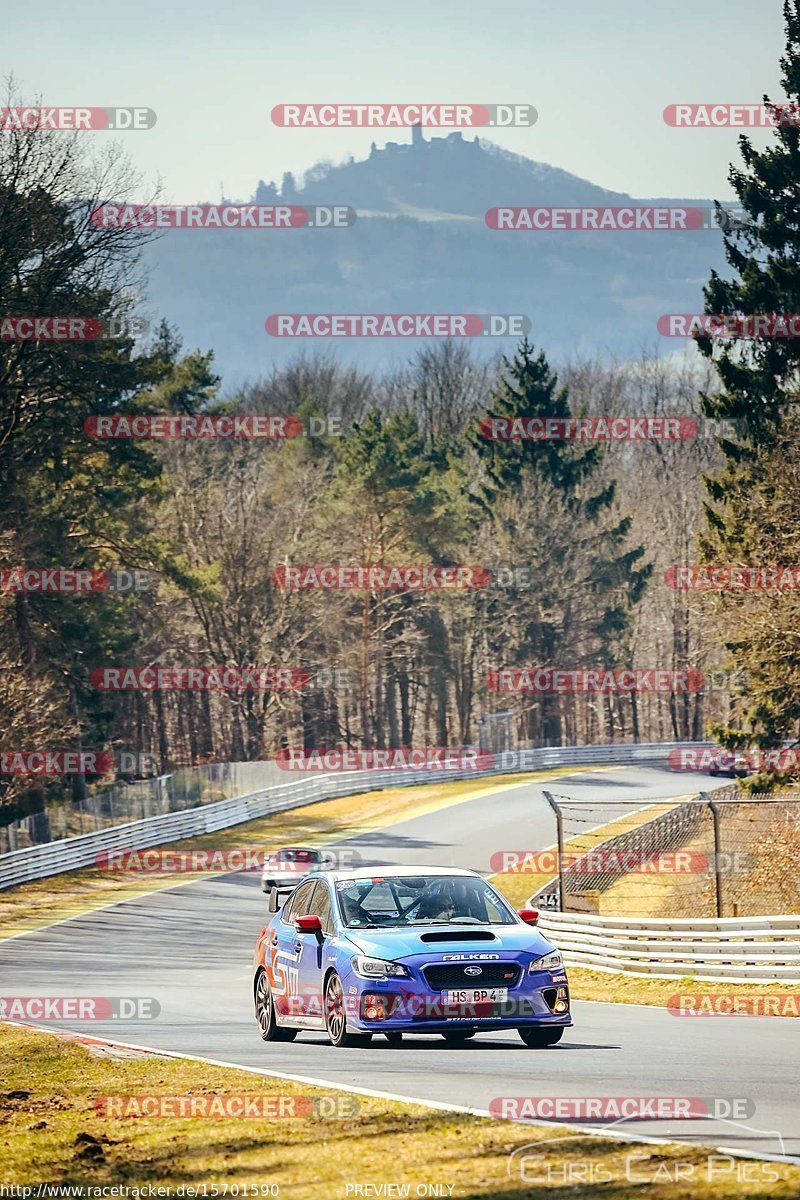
(377,968)
(548,962)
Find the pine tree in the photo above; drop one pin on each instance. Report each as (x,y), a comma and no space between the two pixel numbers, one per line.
(545,510)
(758,384)
(758,377)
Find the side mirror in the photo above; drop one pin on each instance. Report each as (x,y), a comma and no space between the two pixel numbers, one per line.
(277,896)
(529,915)
(310,924)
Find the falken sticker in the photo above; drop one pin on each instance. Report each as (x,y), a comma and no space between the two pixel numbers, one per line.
(469,957)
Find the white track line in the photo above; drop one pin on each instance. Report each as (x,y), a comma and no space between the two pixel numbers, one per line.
(440,1105)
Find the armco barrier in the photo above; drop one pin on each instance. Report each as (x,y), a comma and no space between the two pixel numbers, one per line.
(729,949)
(52,858)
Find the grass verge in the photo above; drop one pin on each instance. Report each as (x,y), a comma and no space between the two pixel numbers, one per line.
(54,1133)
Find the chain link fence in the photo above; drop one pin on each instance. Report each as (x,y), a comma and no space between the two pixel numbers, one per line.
(189,787)
(724,854)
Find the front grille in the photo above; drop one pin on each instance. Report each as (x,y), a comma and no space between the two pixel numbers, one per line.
(454,975)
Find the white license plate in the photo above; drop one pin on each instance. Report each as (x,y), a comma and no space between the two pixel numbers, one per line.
(476,996)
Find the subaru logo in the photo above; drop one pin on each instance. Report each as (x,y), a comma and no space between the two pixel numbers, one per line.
(473,970)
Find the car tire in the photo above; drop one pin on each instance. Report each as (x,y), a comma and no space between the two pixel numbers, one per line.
(458,1036)
(336,1019)
(540,1039)
(268,1027)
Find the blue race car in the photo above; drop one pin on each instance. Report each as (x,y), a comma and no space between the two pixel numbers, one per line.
(402,950)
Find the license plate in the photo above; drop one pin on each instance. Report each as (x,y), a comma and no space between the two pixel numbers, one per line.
(476,996)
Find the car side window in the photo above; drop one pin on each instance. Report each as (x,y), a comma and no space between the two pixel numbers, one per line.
(286,911)
(296,905)
(321,906)
(495,913)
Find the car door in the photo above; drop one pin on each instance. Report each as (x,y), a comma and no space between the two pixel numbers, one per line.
(312,954)
(289,1001)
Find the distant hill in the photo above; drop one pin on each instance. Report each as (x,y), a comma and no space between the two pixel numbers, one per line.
(420,244)
(452,175)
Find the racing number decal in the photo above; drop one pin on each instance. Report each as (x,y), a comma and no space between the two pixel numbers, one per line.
(283,978)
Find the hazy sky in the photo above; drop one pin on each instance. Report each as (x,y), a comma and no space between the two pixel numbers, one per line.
(600,72)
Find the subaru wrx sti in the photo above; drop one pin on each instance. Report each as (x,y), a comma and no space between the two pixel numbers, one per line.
(401,950)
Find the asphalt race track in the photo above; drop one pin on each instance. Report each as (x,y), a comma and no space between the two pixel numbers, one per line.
(190,948)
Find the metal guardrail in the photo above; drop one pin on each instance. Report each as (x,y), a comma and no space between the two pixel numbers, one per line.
(731,949)
(69,854)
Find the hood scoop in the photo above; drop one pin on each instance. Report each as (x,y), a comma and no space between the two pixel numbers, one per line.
(466,935)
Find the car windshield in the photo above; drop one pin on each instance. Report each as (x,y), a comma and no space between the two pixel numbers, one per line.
(400,900)
(295,856)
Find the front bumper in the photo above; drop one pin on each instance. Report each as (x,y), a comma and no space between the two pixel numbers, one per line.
(283,882)
(404,1005)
